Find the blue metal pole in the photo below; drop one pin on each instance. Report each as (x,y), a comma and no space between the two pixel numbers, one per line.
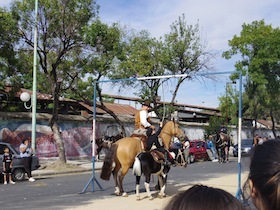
(239,191)
(93,179)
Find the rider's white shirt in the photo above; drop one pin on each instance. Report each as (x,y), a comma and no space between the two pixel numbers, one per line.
(143,118)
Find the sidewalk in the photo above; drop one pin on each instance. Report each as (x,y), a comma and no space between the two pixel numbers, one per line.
(77,166)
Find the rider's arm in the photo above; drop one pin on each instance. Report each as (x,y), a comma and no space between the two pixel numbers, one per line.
(143,118)
(158,131)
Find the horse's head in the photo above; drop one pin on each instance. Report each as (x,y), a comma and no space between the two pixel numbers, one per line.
(170,129)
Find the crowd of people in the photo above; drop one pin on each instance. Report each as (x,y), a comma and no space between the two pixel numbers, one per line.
(26,155)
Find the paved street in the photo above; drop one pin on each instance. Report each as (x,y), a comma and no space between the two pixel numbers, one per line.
(62,191)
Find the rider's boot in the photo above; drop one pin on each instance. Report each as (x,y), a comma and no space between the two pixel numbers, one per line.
(166,161)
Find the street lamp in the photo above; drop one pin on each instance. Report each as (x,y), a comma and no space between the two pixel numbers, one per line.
(25,97)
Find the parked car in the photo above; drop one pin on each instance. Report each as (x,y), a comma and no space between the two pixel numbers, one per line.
(18,172)
(197,151)
(246,146)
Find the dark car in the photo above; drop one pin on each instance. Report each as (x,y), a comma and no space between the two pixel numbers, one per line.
(197,151)
(246,146)
(18,172)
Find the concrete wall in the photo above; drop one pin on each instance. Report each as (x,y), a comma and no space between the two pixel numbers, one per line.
(77,135)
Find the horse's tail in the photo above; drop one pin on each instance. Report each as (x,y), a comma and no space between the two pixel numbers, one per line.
(108,163)
(136,170)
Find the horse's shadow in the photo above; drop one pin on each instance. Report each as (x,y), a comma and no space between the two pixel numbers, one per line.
(172,189)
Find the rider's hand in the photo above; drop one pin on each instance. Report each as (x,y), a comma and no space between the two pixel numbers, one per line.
(152,127)
(160,124)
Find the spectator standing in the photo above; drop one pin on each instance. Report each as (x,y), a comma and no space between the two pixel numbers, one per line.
(25,154)
(7,166)
(212,148)
(186,147)
(264,176)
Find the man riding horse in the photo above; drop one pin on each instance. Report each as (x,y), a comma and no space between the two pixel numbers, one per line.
(142,119)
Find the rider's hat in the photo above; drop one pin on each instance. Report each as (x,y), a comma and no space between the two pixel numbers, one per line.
(146,103)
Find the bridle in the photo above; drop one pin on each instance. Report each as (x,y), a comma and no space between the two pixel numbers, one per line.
(175,131)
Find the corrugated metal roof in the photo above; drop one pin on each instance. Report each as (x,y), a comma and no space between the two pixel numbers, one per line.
(267,123)
(119,109)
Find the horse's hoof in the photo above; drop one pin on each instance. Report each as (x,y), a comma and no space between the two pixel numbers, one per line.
(138,198)
(161,196)
(151,198)
(124,194)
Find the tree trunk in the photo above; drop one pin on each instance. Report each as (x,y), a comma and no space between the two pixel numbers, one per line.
(54,125)
(59,143)
(273,123)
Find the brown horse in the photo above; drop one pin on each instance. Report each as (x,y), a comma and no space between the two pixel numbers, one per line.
(124,151)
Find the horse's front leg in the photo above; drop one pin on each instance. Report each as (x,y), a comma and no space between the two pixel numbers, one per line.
(220,152)
(162,181)
(137,187)
(147,185)
(226,153)
(99,148)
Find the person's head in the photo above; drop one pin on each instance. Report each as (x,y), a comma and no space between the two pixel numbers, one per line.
(146,105)
(6,150)
(201,197)
(25,141)
(264,175)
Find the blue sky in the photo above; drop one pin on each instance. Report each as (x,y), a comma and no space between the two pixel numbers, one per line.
(219,21)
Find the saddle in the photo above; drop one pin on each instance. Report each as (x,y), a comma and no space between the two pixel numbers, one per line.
(157,155)
(144,140)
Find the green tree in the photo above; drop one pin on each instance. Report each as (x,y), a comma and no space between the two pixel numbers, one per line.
(8,61)
(60,25)
(181,51)
(103,49)
(229,104)
(259,47)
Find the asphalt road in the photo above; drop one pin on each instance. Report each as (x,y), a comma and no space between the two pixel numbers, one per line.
(62,192)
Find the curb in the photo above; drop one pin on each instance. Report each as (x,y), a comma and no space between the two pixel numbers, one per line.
(52,172)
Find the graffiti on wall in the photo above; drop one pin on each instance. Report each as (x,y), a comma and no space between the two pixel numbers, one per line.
(77,137)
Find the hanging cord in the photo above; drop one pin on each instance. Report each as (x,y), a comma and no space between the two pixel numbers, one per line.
(163,114)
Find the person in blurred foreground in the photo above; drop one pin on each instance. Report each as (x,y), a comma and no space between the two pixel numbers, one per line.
(263,183)
(201,197)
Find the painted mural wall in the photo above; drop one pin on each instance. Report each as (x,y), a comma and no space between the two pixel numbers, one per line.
(77,136)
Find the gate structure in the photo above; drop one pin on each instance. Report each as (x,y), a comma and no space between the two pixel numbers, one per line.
(93,180)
